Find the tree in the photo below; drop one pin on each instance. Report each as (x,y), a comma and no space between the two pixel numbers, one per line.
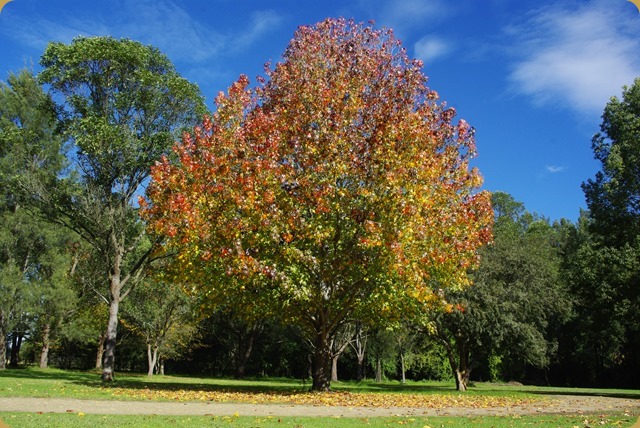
(517,294)
(121,104)
(359,347)
(383,350)
(340,189)
(406,339)
(237,335)
(613,196)
(603,344)
(29,149)
(162,313)
(605,270)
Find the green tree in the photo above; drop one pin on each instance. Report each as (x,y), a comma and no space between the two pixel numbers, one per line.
(30,150)
(163,314)
(603,333)
(122,104)
(606,268)
(613,196)
(517,294)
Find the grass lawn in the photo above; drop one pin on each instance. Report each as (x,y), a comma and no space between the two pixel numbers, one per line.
(28,420)
(35,382)
(54,383)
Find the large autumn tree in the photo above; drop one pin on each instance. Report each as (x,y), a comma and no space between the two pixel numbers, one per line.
(339,189)
(121,106)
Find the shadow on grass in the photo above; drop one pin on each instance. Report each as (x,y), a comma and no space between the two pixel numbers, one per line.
(83,377)
(281,386)
(135,381)
(140,382)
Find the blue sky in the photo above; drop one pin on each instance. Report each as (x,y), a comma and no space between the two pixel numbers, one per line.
(532,76)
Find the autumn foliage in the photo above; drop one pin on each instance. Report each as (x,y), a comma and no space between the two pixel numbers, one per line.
(339,188)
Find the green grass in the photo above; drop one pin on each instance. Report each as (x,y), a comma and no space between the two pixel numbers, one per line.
(28,420)
(35,382)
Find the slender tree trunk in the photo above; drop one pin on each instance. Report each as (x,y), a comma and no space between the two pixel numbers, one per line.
(3,341)
(338,345)
(44,354)
(245,347)
(115,287)
(334,368)
(359,346)
(16,344)
(100,351)
(403,379)
(152,358)
(109,357)
(378,369)
(161,366)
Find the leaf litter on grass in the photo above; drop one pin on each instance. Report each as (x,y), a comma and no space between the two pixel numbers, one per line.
(338,398)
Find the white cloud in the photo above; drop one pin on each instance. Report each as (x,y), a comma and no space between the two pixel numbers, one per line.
(261,23)
(405,14)
(576,57)
(429,48)
(169,27)
(161,23)
(554,169)
(36,33)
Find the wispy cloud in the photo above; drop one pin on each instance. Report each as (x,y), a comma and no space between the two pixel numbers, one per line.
(577,57)
(555,169)
(162,23)
(261,23)
(168,26)
(429,48)
(405,14)
(36,32)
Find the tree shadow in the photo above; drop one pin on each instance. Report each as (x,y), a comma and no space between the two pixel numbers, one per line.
(82,377)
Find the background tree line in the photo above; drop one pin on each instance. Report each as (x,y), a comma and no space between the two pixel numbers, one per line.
(551,302)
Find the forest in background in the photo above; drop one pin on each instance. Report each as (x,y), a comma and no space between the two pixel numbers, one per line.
(552,302)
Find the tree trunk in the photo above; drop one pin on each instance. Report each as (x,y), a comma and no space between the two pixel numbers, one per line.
(16,344)
(359,346)
(161,366)
(378,369)
(339,344)
(334,368)
(321,375)
(245,347)
(3,342)
(109,358)
(462,379)
(44,355)
(152,357)
(100,351)
(461,370)
(403,378)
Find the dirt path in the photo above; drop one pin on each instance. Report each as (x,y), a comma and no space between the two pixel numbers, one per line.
(556,404)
